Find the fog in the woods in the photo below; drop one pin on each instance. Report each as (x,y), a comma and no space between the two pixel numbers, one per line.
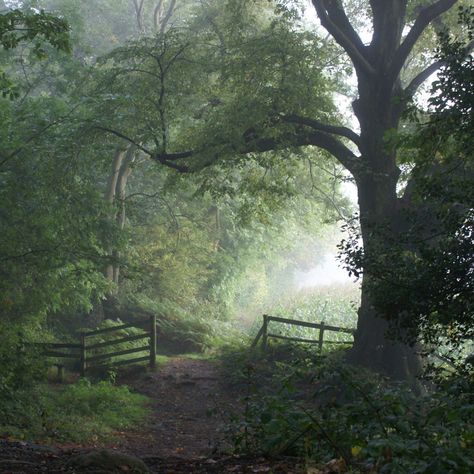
(328,272)
(185,188)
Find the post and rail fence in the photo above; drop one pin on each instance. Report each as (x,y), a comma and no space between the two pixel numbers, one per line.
(81,351)
(265,335)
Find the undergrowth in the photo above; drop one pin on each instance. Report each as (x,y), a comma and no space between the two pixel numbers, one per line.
(300,404)
(34,410)
(81,412)
(183,331)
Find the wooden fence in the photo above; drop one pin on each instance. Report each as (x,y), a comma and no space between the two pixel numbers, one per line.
(265,335)
(85,351)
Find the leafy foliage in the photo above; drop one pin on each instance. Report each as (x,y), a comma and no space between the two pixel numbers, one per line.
(324,410)
(17,26)
(53,244)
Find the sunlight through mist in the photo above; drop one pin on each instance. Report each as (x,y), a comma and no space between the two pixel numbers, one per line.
(328,272)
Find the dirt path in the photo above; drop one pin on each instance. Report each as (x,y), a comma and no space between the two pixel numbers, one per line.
(191,404)
(190,408)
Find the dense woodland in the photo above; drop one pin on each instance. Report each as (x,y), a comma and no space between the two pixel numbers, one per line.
(182,162)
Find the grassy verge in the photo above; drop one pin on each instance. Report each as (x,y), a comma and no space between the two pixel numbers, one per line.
(81,412)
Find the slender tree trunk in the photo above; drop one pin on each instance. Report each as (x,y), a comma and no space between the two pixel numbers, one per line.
(115,197)
(96,316)
(110,194)
(121,184)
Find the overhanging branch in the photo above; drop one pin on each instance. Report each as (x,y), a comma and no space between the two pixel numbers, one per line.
(260,145)
(293,139)
(322,127)
(124,137)
(337,149)
(170,164)
(315,138)
(425,17)
(418,80)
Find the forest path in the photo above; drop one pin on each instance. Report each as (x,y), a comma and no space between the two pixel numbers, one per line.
(190,406)
(190,401)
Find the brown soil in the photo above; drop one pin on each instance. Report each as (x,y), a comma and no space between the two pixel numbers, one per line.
(190,406)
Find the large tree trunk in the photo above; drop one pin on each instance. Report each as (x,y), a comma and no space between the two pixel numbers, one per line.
(381,100)
(378,110)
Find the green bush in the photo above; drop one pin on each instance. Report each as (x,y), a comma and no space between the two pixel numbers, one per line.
(20,366)
(323,411)
(21,370)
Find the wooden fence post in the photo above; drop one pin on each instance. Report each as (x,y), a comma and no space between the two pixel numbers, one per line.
(153,341)
(264,332)
(83,355)
(321,338)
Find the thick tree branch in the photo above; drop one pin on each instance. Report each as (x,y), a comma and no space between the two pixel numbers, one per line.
(174,156)
(334,19)
(337,149)
(319,139)
(124,137)
(170,163)
(418,80)
(322,127)
(259,145)
(425,17)
(254,144)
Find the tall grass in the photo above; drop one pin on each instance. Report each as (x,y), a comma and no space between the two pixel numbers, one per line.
(334,305)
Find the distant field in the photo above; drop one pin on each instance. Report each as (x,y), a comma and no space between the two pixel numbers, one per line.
(335,305)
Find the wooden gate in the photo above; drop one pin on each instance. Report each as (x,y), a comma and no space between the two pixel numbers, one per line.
(86,350)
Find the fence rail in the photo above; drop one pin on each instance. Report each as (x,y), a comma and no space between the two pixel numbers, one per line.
(82,351)
(264,335)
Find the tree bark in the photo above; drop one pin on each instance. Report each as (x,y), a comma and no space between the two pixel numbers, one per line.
(378,109)
(110,194)
(124,173)
(379,208)
(115,197)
